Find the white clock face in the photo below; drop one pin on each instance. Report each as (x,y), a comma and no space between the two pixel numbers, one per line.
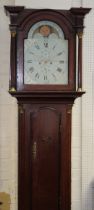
(45,55)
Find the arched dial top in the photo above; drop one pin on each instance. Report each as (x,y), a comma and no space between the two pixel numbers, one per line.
(45,54)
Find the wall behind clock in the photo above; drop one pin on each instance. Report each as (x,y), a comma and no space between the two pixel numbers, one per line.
(83,113)
(8,120)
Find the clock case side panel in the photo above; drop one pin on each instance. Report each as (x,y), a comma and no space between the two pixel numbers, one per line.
(13,13)
(69,34)
(24,200)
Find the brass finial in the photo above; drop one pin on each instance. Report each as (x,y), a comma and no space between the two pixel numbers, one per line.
(80,34)
(12,89)
(69,109)
(13,33)
(79,90)
(21,110)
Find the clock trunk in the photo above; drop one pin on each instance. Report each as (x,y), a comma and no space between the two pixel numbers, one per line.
(44,156)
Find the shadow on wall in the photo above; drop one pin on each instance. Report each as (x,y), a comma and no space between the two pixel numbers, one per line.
(92,185)
(88,200)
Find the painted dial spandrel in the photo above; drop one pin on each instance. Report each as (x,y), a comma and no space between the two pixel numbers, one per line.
(45,55)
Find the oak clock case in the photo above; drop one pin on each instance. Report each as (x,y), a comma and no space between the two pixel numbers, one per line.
(43,79)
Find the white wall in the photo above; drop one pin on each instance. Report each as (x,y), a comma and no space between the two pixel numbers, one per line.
(83,112)
(44,4)
(8,114)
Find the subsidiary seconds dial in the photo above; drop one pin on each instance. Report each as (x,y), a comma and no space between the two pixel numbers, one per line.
(45,55)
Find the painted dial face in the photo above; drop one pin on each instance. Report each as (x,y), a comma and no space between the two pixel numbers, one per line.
(45,55)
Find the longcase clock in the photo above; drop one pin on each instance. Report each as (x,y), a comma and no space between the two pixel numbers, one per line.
(45,81)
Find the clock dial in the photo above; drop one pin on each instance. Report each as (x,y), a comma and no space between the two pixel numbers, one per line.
(45,55)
